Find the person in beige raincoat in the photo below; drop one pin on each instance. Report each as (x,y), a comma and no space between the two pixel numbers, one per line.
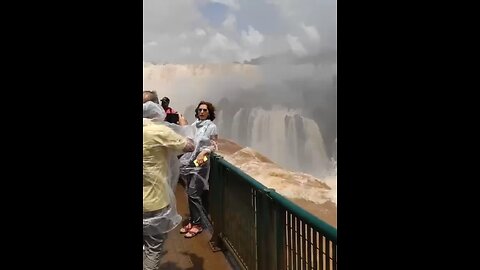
(159,207)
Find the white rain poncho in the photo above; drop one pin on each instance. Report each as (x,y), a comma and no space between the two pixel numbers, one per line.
(167,218)
(204,132)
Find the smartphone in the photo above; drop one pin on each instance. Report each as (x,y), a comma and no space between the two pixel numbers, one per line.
(204,160)
(172,118)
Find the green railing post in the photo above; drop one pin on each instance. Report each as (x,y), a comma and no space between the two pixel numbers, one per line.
(270,233)
(216,203)
(264,232)
(280,245)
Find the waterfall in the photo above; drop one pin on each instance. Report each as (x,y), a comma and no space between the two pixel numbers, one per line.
(284,135)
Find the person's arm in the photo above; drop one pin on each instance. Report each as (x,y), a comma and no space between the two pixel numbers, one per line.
(189,146)
(211,148)
(213,145)
(181,120)
(166,137)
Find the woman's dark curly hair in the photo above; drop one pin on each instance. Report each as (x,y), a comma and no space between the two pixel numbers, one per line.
(211,110)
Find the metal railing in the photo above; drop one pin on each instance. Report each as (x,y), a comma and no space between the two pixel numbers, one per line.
(261,228)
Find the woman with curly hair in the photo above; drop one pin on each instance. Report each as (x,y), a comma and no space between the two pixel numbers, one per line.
(195,166)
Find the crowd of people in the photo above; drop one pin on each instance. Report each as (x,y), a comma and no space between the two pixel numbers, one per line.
(173,149)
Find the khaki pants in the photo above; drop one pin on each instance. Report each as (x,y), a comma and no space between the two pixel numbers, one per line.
(153,250)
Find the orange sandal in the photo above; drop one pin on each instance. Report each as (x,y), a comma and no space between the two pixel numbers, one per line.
(186,229)
(194,231)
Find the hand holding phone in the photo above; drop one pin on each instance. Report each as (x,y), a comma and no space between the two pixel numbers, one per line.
(200,162)
(182,121)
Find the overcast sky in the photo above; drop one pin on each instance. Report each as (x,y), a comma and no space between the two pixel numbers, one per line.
(215,31)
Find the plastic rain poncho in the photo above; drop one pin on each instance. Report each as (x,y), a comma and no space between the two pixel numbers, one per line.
(167,219)
(203,136)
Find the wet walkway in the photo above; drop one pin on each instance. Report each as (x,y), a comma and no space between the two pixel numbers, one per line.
(190,254)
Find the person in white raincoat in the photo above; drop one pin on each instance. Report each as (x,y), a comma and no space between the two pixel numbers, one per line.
(195,167)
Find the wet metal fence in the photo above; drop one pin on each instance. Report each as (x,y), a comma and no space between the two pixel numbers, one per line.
(261,228)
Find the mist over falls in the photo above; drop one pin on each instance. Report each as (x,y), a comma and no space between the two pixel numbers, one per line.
(287,112)
(300,99)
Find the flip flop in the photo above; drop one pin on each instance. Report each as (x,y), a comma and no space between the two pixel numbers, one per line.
(186,228)
(193,233)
